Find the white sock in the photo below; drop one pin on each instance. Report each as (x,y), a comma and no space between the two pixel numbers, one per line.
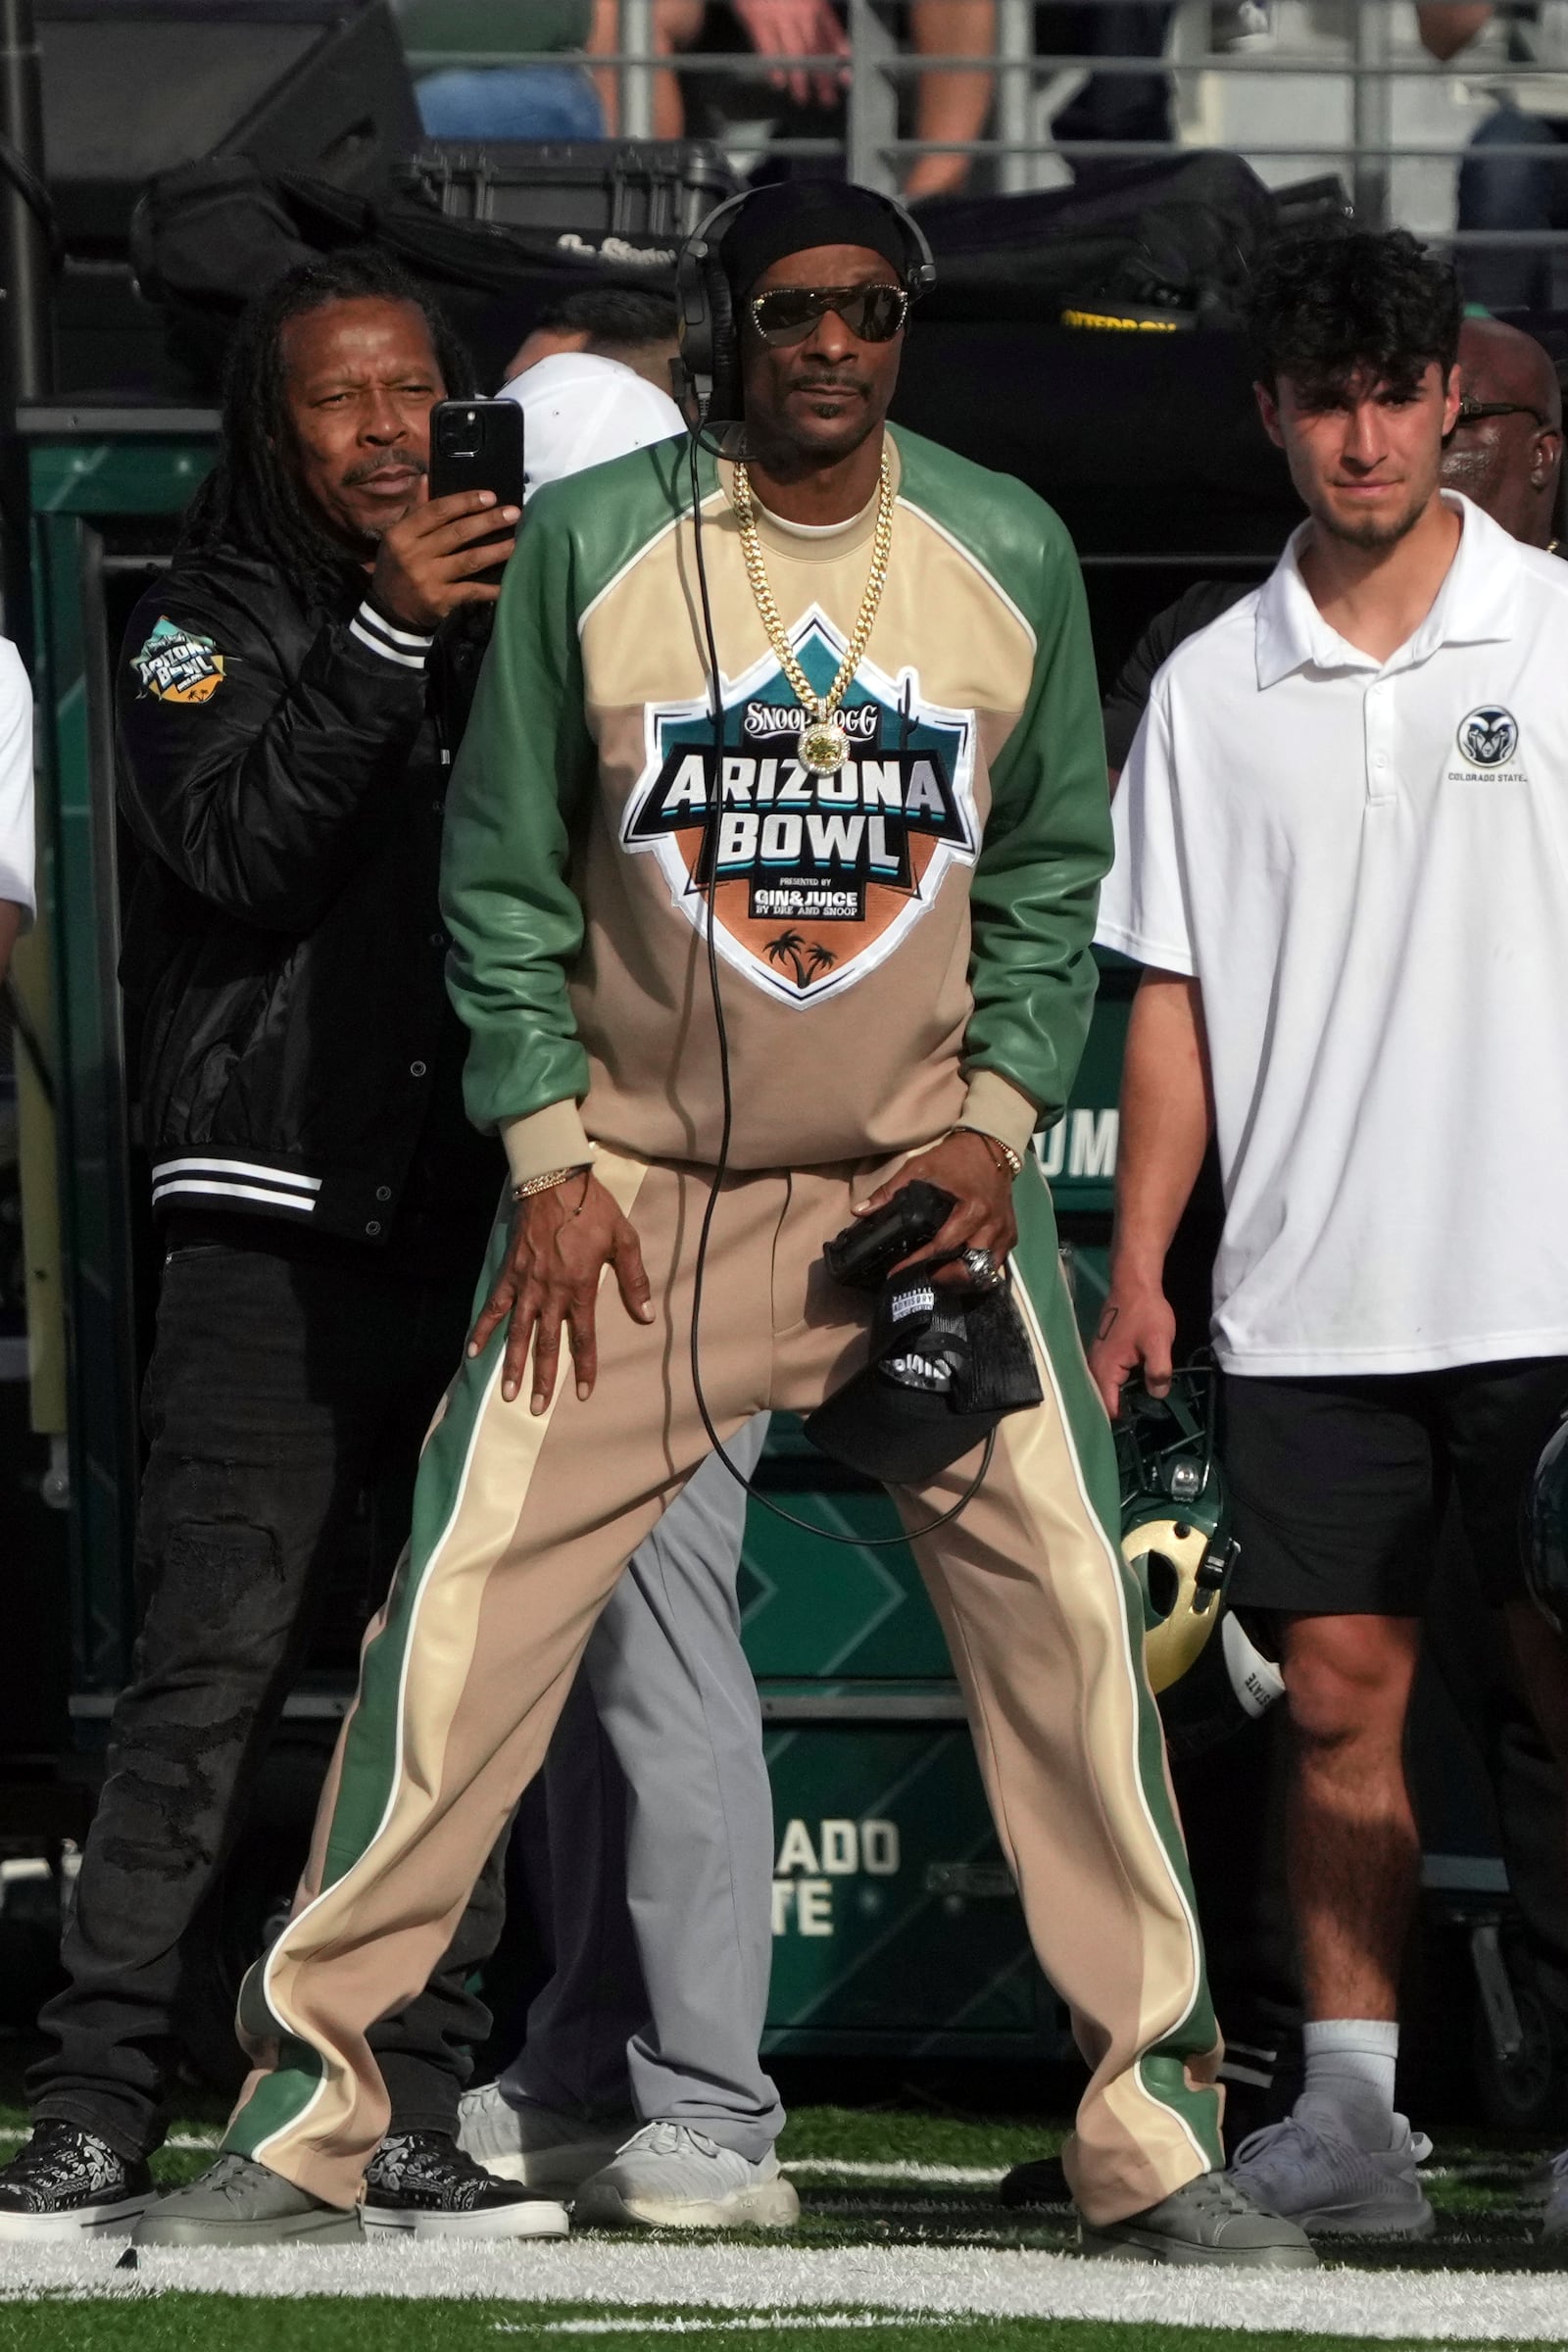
(1349,2064)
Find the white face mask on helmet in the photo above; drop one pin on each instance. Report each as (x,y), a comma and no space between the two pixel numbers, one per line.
(1176,1538)
(1175,1520)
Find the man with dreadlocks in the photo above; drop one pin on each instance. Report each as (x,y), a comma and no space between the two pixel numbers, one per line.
(325,1203)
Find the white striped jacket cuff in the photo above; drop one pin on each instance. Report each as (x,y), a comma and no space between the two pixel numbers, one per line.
(385,637)
(216,1179)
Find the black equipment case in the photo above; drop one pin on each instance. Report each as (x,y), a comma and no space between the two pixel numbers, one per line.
(599,187)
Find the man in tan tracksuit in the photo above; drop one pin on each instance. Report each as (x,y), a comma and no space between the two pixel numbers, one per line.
(907,872)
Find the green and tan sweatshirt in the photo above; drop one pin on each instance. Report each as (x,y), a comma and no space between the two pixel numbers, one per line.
(900,945)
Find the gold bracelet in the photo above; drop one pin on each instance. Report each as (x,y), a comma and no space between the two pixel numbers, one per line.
(1009,1159)
(547,1183)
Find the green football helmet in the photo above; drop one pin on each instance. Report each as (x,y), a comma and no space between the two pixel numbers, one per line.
(1546,1531)
(1175,1518)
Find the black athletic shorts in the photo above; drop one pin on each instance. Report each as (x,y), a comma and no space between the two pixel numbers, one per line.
(1339,1483)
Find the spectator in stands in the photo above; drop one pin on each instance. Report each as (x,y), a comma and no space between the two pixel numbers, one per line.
(947,106)
(521,101)
(1118,109)
(16,858)
(1505,189)
(532,100)
(950,103)
(1390,1304)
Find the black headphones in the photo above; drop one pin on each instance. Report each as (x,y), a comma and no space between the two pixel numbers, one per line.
(709,361)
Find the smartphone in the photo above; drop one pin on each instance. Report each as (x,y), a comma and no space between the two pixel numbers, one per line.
(477,445)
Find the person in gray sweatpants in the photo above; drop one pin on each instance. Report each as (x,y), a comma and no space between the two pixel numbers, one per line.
(639,2063)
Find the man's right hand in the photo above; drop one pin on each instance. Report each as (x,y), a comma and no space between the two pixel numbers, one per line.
(426,563)
(1136,1328)
(561,1241)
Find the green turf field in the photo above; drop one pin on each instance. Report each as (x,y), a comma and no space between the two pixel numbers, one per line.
(905,2186)
(227,2324)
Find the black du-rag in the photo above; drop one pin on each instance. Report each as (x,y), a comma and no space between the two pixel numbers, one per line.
(796,215)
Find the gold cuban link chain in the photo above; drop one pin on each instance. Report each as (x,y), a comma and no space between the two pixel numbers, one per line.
(824,747)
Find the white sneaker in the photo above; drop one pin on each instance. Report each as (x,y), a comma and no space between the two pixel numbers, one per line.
(668,2177)
(1306,2170)
(536,2145)
(1555,2220)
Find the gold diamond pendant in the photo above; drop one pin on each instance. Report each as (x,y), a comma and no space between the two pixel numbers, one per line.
(824,749)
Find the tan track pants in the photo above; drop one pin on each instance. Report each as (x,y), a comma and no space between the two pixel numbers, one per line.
(522,1527)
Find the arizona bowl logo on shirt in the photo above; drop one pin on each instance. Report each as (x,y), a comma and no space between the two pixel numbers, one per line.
(177,666)
(1487,737)
(818,879)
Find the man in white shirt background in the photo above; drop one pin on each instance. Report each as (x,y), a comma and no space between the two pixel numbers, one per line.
(1342,860)
(17,899)
(592,380)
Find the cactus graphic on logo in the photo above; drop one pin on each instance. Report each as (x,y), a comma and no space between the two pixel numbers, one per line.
(176,665)
(816,879)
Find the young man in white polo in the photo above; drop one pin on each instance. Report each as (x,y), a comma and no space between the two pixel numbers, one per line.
(1341,856)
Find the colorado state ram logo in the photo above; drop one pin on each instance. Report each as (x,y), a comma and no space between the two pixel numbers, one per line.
(1489,736)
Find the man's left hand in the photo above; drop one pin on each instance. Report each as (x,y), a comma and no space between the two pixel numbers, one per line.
(966,1166)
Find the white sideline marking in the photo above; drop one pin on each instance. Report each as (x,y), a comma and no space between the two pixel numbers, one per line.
(673,2278)
(757,2323)
(856,2168)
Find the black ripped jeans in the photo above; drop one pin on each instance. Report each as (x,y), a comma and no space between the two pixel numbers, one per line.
(280,1388)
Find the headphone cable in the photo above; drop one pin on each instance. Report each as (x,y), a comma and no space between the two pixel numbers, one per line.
(707,872)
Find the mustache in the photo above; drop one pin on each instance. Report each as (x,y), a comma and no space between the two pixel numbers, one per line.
(369,469)
(839,383)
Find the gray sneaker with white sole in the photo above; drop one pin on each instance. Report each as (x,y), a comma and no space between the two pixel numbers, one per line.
(1211,2220)
(1317,2176)
(537,2146)
(240,2203)
(668,2177)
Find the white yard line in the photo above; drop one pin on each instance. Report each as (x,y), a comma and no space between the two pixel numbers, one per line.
(856,2168)
(756,2323)
(672,2278)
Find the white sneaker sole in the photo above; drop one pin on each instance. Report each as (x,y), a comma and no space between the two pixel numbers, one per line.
(563,2169)
(770,2205)
(542,2219)
(1368,2220)
(88,2221)
(1152,2245)
(329,2227)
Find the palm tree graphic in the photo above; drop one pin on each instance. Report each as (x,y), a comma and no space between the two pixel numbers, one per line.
(807,959)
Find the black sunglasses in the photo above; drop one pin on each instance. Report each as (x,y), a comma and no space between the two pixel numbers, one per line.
(1471,412)
(787,313)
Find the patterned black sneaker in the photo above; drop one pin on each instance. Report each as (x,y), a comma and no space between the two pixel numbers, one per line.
(1039,2182)
(423,2182)
(68,2184)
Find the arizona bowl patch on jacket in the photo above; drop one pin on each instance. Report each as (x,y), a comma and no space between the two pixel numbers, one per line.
(179,666)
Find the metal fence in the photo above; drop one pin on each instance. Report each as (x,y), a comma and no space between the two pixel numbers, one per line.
(1334,85)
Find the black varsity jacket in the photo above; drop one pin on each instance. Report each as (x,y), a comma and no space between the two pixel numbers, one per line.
(284,955)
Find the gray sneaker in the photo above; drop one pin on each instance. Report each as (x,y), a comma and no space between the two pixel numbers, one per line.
(535,2144)
(668,2177)
(238,2203)
(1209,2219)
(1304,2168)
(1555,2220)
